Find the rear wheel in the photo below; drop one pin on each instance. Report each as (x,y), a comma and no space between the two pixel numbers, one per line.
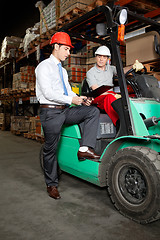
(133,180)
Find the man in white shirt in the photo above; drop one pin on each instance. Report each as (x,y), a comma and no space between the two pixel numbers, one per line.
(55,95)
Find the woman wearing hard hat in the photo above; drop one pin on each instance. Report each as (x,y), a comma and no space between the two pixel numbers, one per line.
(102,74)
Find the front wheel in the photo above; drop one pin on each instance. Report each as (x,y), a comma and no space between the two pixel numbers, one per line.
(133,180)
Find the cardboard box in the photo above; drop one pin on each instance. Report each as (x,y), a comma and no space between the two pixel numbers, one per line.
(20,123)
(142,48)
(25,78)
(75,59)
(76,73)
(68,5)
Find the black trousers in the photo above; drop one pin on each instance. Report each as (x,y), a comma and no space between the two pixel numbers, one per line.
(52,120)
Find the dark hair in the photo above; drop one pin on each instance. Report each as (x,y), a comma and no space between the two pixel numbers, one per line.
(54,44)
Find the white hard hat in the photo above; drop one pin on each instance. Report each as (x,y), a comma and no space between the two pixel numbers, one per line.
(103,50)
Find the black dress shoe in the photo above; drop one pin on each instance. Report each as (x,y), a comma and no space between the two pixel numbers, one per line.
(89,154)
(53,192)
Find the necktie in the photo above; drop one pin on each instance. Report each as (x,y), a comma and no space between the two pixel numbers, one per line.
(61,75)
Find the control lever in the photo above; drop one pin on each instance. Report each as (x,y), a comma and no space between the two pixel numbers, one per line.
(152,121)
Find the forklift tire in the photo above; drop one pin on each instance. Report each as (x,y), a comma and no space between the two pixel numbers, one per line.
(133,181)
(41,162)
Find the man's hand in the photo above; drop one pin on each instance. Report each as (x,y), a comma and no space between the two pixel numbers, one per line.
(137,66)
(82,100)
(77,100)
(87,101)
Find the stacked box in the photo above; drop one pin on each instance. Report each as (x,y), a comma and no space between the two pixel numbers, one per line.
(50,16)
(1,119)
(35,125)
(76,73)
(28,69)
(5,91)
(142,48)
(68,5)
(91,48)
(9,45)
(38,127)
(25,78)
(75,65)
(75,59)
(20,123)
(32,126)
(5,121)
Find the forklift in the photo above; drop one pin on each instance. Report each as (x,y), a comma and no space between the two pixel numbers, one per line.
(129,166)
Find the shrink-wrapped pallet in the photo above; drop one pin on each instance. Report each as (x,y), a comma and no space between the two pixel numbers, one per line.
(31,34)
(68,5)
(9,45)
(49,13)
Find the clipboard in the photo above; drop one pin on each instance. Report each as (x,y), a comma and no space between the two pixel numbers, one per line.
(98,91)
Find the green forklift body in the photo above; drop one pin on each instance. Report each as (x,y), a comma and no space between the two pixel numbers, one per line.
(95,172)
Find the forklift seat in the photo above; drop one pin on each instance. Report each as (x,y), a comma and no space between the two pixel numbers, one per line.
(85,87)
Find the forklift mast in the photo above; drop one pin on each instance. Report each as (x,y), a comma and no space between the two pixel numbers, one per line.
(74,30)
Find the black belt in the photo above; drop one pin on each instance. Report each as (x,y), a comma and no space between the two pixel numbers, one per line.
(53,106)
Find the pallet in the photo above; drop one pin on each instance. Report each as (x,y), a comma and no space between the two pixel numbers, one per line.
(19,93)
(69,17)
(29,135)
(39,138)
(34,136)
(95,4)
(19,132)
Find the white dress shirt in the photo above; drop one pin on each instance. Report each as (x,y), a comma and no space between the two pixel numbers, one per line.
(49,86)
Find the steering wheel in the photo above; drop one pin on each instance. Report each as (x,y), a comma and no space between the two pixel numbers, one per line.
(133,72)
(133,83)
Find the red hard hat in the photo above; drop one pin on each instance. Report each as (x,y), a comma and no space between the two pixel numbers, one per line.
(61,38)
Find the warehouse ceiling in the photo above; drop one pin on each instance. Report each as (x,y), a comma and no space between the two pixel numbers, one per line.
(17,16)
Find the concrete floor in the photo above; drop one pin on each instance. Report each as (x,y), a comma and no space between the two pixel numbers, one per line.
(84,212)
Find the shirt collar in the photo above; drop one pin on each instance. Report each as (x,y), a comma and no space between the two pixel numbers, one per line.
(99,70)
(54,59)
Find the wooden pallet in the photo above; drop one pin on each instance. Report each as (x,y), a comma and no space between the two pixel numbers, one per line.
(18,93)
(69,17)
(34,136)
(95,4)
(29,135)
(39,138)
(19,132)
